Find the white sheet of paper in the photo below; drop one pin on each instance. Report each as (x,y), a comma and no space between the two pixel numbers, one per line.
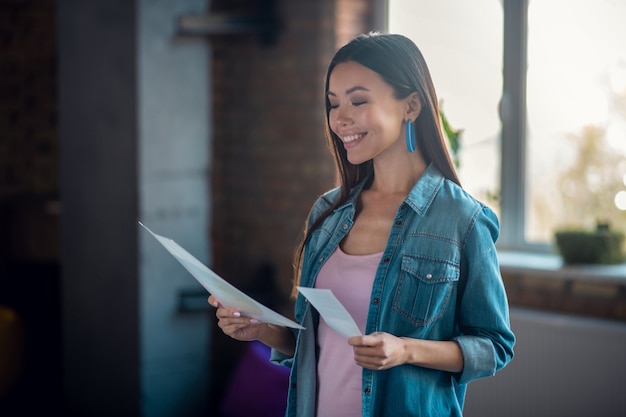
(228,295)
(331,310)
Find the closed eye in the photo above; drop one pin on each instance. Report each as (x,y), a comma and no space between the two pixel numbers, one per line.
(354,103)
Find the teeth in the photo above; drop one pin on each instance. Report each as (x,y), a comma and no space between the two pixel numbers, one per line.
(351,138)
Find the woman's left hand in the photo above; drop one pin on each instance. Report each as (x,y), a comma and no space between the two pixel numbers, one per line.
(378,351)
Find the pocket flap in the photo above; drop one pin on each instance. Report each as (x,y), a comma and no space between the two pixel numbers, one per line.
(430,270)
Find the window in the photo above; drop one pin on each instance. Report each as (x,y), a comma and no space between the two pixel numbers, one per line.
(545,147)
(465,61)
(576,125)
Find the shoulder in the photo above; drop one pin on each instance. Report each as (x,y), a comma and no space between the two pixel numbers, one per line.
(462,201)
(459,204)
(323,203)
(326,200)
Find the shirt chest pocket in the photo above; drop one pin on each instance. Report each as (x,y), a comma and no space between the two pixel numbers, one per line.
(423,290)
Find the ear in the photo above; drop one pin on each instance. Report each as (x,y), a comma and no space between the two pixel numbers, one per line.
(414,106)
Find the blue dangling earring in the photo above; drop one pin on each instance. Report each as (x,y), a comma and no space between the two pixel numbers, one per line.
(411,142)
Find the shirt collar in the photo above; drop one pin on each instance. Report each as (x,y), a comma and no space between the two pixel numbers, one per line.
(420,197)
(425,189)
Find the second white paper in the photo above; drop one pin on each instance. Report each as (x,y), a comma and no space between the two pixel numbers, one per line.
(331,310)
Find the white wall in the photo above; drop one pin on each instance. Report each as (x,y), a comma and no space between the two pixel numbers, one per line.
(174,167)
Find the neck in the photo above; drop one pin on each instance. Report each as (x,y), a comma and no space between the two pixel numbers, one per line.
(400,176)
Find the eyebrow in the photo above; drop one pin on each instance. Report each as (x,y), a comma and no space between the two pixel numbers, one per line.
(350,90)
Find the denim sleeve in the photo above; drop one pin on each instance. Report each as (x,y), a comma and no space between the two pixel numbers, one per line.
(486,338)
(279,358)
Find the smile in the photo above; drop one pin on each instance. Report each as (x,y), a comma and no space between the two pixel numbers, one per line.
(352,138)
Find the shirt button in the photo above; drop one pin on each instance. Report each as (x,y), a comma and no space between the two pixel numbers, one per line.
(321,260)
(367,390)
(429,276)
(376,300)
(386,260)
(399,222)
(344,227)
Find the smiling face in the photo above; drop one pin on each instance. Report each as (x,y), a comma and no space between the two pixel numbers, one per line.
(364,113)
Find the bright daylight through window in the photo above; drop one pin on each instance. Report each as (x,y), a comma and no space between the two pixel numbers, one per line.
(576,131)
(575,127)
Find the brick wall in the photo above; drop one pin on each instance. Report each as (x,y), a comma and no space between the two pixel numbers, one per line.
(29,144)
(600,298)
(270,156)
(270,160)
(28,131)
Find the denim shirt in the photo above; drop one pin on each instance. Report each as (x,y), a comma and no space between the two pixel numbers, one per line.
(438,279)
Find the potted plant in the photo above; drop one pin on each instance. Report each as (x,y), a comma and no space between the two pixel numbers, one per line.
(584,246)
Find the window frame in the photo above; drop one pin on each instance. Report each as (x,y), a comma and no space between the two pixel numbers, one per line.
(512,110)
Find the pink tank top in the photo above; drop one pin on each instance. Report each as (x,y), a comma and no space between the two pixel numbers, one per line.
(350,278)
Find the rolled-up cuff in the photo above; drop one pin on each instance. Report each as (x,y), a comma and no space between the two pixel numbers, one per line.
(279,358)
(479,358)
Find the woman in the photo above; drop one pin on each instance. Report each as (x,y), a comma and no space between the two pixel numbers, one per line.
(407,251)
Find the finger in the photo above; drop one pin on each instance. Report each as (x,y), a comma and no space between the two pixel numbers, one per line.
(365,362)
(365,352)
(372,366)
(239,330)
(227,321)
(213,301)
(231,325)
(355,341)
(234,326)
(370,359)
(223,312)
(364,341)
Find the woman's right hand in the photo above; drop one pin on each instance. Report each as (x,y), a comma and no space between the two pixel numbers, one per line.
(247,329)
(235,325)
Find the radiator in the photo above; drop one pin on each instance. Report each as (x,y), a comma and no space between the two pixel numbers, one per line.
(564,366)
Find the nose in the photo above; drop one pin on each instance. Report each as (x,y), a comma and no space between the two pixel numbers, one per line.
(342,117)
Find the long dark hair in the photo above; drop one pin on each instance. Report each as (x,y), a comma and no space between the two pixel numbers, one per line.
(401,64)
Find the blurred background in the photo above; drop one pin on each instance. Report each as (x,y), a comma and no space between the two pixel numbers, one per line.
(204,121)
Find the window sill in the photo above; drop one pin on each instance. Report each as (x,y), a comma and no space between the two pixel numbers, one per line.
(543,282)
(551,266)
